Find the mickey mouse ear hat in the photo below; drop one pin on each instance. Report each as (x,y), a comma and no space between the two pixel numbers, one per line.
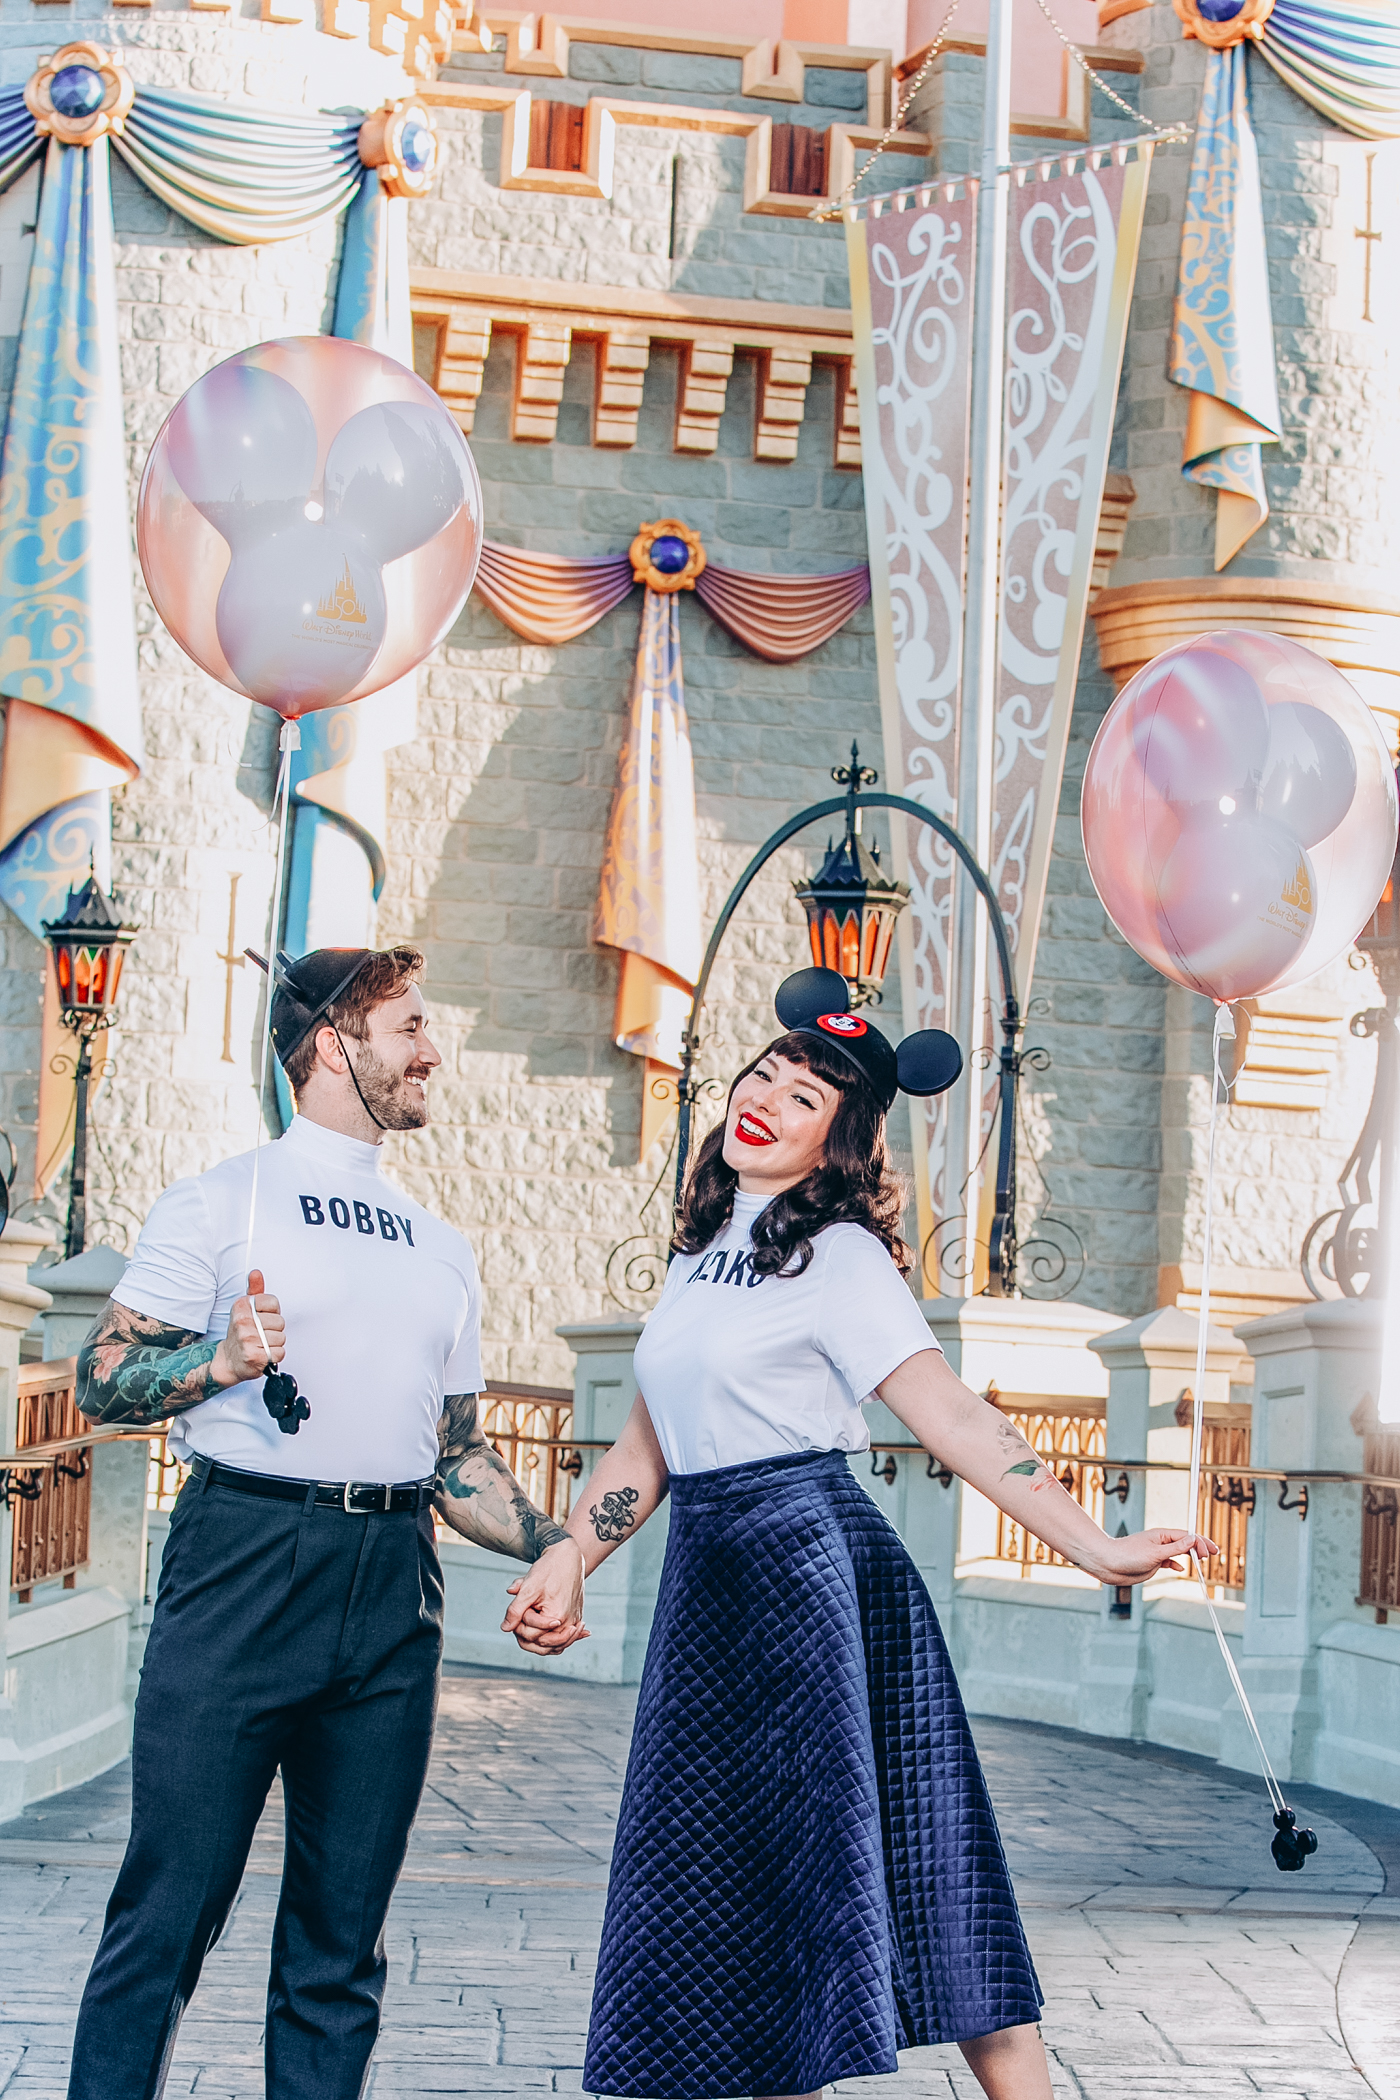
(304,988)
(818,1003)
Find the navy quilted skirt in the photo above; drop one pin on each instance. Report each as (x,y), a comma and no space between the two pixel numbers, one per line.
(807,1874)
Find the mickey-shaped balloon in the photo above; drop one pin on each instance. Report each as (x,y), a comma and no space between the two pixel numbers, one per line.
(818,1003)
(309,522)
(1239,813)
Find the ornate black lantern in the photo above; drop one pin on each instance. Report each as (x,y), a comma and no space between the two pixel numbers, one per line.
(851,904)
(88,944)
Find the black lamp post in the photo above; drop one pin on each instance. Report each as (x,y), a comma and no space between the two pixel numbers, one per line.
(88,945)
(863,904)
(1344,1247)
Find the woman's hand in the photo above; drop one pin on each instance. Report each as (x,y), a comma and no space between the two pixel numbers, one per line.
(1147,1553)
(547,1613)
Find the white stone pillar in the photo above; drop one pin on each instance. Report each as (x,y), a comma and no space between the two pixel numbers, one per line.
(1312,1366)
(19,1302)
(622,1595)
(1150,1362)
(1034,1353)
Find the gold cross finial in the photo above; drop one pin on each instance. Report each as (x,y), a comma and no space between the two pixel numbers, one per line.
(1368,233)
(232,961)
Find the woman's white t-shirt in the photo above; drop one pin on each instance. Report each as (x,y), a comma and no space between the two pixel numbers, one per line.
(735,1367)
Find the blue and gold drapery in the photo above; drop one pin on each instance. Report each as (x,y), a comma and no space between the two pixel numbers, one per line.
(246,173)
(241,170)
(1343,58)
(1222,337)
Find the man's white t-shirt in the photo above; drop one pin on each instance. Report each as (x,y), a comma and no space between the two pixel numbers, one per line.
(381,1299)
(735,1367)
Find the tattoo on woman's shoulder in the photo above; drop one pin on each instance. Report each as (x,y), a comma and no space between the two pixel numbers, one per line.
(616,1516)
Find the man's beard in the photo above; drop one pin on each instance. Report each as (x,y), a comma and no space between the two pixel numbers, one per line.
(386,1095)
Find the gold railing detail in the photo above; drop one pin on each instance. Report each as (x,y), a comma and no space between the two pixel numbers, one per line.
(1226,1501)
(51,1501)
(527,1425)
(1072,1446)
(1380,1524)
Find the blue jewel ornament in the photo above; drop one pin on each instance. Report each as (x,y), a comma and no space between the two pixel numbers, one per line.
(416,145)
(77,91)
(1220,10)
(669,555)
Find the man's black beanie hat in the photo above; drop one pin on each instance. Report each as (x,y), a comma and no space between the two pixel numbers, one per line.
(304,989)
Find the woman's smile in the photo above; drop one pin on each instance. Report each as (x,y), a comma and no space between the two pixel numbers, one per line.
(750,1131)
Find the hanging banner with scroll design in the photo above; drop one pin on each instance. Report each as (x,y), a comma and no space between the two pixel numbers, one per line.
(911,298)
(1072,255)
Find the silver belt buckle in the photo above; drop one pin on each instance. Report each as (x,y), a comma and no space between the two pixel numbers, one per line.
(363,1487)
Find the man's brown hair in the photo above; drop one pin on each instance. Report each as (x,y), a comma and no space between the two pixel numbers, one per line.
(387,975)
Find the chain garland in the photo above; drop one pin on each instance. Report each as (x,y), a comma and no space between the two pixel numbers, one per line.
(833,207)
(1159,131)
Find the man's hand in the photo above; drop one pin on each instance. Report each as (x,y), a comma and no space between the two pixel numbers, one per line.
(241,1354)
(547,1613)
(1147,1553)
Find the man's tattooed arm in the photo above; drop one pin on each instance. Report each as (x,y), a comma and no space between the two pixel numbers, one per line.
(477,1493)
(135,1369)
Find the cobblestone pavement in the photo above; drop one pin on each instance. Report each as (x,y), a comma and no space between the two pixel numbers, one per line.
(1177,1961)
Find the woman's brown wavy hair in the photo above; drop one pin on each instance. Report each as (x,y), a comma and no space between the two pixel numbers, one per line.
(854,1184)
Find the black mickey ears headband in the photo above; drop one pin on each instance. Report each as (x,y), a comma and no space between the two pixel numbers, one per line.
(818,1003)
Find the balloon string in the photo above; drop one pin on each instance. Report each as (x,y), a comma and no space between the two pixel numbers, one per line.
(1224,1032)
(289,742)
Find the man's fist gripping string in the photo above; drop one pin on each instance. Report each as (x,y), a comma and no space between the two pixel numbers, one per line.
(136,1369)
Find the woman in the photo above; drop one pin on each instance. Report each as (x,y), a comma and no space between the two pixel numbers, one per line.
(807,1874)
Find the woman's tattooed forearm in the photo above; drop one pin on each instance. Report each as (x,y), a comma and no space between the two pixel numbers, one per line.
(135,1369)
(478,1494)
(1023,1459)
(616,1517)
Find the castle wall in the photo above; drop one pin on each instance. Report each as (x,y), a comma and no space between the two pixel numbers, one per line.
(499,805)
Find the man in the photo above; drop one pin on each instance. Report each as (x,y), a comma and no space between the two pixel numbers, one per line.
(298,1623)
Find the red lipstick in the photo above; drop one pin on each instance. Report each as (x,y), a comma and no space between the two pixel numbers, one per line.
(756,1134)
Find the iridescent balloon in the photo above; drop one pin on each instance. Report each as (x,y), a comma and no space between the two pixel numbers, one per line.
(1239,813)
(309,522)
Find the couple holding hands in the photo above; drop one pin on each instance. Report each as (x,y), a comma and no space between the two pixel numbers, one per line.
(807,1873)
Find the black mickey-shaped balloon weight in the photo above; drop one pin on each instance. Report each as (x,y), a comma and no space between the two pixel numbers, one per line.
(287,1407)
(1291,1846)
(818,1003)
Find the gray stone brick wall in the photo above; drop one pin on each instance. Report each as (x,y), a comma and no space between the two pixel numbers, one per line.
(499,812)
(470,224)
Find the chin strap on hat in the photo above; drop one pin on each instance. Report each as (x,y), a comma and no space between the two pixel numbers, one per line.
(353,1080)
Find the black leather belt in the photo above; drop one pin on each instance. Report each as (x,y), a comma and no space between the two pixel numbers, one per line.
(358,1498)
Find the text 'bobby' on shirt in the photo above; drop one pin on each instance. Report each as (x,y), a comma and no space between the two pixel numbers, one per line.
(378,1296)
